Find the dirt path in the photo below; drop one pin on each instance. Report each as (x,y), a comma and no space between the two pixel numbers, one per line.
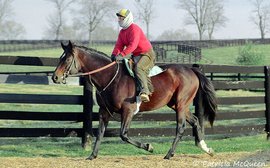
(240,159)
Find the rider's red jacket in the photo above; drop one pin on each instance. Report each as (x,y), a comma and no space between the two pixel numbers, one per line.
(131,40)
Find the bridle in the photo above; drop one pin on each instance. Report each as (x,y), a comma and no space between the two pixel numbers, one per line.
(73,64)
(67,71)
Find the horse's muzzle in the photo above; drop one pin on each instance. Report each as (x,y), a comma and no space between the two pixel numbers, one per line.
(58,80)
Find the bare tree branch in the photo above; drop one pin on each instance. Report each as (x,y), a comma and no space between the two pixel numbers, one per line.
(92,12)
(261,16)
(215,18)
(5,9)
(56,21)
(145,11)
(9,29)
(200,12)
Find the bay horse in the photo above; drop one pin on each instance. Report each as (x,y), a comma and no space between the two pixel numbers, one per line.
(175,87)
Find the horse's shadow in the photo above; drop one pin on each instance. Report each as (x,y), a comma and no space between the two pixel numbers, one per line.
(258,159)
(27,79)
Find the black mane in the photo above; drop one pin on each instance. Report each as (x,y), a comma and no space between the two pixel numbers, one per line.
(93,51)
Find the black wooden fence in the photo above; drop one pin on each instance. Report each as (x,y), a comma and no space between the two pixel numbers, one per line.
(84,100)
(254,78)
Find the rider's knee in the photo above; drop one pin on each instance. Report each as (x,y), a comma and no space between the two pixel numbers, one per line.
(138,68)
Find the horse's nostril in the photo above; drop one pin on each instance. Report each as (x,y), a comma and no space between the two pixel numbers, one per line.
(54,78)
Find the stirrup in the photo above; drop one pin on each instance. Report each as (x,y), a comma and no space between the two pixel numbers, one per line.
(144,97)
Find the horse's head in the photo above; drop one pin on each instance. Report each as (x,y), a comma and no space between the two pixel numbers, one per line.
(67,65)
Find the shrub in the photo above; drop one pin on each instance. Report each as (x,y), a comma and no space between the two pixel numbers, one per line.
(249,55)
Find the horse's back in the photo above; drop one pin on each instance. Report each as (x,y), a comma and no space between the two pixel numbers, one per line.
(178,71)
(175,66)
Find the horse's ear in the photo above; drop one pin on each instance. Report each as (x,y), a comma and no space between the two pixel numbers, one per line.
(70,46)
(63,46)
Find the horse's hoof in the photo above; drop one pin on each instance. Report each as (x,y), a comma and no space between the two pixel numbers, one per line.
(150,148)
(211,152)
(91,157)
(168,156)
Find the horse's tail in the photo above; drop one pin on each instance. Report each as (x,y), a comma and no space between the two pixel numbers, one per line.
(208,95)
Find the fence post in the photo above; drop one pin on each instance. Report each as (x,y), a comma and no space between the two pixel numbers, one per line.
(87,132)
(267,100)
(199,105)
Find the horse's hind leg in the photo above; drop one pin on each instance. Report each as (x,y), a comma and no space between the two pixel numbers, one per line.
(180,128)
(194,122)
(103,123)
(125,124)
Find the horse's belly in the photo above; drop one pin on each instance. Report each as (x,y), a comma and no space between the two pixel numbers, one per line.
(156,102)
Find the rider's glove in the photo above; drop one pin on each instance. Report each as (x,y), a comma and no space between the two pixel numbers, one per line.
(117,58)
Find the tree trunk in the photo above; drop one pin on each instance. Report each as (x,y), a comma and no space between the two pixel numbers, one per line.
(90,36)
(261,27)
(147,30)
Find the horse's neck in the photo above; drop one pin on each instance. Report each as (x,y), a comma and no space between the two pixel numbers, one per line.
(100,79)
(91,62)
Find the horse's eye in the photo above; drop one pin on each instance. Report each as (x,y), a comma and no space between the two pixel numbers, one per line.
(69,59)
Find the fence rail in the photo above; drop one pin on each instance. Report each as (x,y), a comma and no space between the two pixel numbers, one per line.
(87,116)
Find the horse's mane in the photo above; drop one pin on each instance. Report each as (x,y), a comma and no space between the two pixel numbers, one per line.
(93,51)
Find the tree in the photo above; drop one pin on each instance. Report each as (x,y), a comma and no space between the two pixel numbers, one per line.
(215,18)
(93,12)
(9,29)
(175,35)
(261,16)
(56,20)
(145,12)
(5,9)
(199,12)
(12,31)
(103,31)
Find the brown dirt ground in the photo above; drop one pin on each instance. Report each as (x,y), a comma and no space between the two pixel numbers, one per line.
(239,159)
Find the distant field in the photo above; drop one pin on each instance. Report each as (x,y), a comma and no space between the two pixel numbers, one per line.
(55,52)
(228,55)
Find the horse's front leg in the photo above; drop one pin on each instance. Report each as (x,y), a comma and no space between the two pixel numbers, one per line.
(125,124)
(103,123)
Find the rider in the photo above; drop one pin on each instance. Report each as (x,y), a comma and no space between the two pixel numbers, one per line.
(132,40)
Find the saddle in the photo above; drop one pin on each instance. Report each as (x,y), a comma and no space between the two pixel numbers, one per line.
(129,64)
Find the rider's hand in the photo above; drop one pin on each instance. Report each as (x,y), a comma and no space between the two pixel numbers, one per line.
(113,57)
(119,58)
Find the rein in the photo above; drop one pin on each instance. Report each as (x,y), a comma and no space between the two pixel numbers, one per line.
(99,92)
(94,71)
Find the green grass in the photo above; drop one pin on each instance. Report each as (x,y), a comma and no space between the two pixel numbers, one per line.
(41,89)
(70,147)
(55,52)
(228,55)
